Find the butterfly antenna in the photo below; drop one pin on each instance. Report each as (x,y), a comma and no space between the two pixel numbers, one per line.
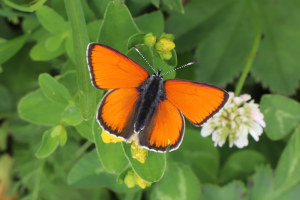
(183,66)
(144,58)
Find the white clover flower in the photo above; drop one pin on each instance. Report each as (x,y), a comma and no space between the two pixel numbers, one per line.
(236,120)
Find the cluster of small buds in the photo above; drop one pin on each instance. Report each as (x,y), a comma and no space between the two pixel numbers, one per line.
(138,153)
(164,45)
(236,120)
(131,179)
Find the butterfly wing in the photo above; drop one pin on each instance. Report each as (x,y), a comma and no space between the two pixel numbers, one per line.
(166,127)
(116,112)
(110,69)
(197,101)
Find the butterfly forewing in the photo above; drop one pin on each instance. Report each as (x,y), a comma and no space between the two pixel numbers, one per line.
(109,69)
(197,102)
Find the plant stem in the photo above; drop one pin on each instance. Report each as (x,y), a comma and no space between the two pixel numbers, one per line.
(251,56)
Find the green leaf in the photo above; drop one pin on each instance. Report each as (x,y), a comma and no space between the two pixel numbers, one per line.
(72,115)
(153,168)
(85,129)
(151,23)
(25,5)
(200,154)
(36,108)
(226,50)
(197,21)
(53,43)
(9,48)
(40,52)
(87,94)
(88,171)
(232,191)
(117,26)
(179,182)
(175,5)
(111,155)
(51,21)
(94,29)
(240,164)
(6,104)
(54,90)
(260,185)
(63,136)
(277,64)
(281,114)
(49,143)
(287,173)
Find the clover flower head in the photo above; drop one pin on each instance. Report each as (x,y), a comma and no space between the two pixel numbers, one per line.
(239,117)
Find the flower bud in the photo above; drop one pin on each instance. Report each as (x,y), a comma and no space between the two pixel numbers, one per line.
(108,138)
(138,153)
(149,39)
(164,45)
(130,179)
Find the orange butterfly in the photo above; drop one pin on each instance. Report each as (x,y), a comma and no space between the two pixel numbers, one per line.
(144,105)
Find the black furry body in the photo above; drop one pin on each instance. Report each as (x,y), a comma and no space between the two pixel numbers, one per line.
(151,92)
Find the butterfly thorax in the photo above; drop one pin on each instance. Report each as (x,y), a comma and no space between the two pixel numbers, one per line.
(151,92)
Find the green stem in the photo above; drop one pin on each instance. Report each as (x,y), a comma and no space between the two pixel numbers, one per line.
(248,65)
(254,49)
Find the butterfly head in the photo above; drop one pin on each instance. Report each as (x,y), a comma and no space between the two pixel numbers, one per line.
(158,74)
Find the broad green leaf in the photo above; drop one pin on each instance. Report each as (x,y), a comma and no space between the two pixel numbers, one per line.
(179,182)
(175,5)
(36,108)
(39,52)
(6,104)
(9,48)
(72,115)
(51,21)
(277,64)
(260,185)
(93,29)
(117,26)
(25,5)
(99,7)
(49,143)
(240,164)
(151,23)
(287,173)
(85,129)
(195,23)
(155,3)
(225,52)
(153,168)
(54,90)
(87,94)
(63,136)
(68,79)
(200,154)
(30,23)
(233,191)
(281,115)
(111,155)
(88,171)
(54,42)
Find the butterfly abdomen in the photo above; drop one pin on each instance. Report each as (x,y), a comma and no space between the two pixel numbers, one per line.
(151,92)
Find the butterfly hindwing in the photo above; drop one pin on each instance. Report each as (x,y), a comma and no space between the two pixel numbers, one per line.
(197,101)
(166,127)
(116,112)
(110,69)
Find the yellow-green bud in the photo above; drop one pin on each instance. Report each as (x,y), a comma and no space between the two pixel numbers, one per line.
(164,45)
(108,138)
(149,39)
(140,182)
(138,153)
(165,55)
(130,179)
(168,36)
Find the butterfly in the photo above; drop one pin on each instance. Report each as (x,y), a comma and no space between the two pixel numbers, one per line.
(146,106)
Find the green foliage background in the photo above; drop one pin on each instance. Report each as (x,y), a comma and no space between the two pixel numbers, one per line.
(47,103)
